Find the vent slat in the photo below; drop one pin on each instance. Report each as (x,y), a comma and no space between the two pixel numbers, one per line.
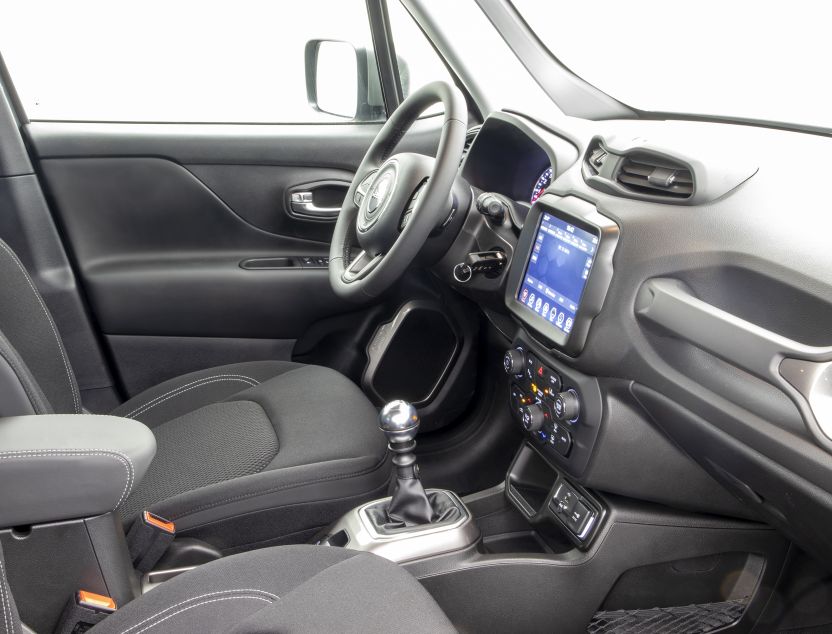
(595,159)
(655,178)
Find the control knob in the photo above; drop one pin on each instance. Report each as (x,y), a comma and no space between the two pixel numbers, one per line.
(533,417)
(514,362)
(493,207)
(567,406)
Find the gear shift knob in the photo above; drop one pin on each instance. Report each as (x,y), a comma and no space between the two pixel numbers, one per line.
(399,422)
(409,505)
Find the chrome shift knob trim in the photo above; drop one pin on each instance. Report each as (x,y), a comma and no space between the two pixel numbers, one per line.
(399,421)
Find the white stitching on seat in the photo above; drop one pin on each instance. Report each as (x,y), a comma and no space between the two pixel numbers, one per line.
(125,460)
(4,597)
(190,386)
(273,597)
(196,605)
(144,409)
(76,397)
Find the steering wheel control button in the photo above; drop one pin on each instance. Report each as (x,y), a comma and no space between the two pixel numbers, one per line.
(567,406)
(463,273)
(533,417)
(513,362)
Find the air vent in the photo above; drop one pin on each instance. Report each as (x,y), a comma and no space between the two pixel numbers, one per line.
(595,159)
(654,176)
(469,140)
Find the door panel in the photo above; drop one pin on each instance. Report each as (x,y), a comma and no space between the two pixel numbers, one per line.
(260,194)
(161,254)
(159,219)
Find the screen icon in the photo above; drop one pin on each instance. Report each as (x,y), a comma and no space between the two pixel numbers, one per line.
(567,327)
(561,317)
(553,314)
(524,295)
(537,305)
(545,309)
(531,299)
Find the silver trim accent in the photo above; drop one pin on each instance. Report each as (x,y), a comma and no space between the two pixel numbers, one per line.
(156,577)
(417,543)
(366,219)
(302,205)
(813,380)
(353,272)
(463,273)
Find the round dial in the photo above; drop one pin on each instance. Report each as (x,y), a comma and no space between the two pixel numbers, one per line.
(514,362)
(542,183)
(533,417)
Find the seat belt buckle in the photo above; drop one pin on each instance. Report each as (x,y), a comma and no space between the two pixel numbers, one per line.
(148,539)
(84,610)
(158,522)
(95,602)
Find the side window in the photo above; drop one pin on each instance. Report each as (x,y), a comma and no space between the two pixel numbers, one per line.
(419,63)
(190,60)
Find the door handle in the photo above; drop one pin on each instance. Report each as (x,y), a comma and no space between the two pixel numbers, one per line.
(303,206)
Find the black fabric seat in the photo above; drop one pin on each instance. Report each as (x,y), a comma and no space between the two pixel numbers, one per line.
(285,589)
(249,455)
(258,453)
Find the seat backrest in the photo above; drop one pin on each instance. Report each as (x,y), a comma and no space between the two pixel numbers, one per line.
(35,375)
(9,618)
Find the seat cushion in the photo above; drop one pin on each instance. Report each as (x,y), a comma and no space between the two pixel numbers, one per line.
(285,589)
(257,454)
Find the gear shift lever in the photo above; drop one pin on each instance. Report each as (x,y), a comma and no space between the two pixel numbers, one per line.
(410,505)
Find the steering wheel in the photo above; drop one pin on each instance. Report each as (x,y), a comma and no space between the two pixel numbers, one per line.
(396,200)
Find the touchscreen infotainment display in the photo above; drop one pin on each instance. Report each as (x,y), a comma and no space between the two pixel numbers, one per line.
(558,268)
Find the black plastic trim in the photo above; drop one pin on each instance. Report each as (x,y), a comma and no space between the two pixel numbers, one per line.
(388,67)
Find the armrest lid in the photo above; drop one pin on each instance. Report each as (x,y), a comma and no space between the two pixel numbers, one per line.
(63,466)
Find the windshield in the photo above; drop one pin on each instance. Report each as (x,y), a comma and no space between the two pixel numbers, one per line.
(749,59)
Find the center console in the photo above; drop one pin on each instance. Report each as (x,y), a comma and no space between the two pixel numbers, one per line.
(558,408)
(362,529)
(412,523)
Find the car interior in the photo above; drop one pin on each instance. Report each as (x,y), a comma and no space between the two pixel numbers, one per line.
(476,348)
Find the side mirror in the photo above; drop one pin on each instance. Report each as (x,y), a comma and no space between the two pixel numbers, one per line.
(342,80)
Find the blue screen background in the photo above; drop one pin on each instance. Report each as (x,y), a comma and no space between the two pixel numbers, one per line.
(555,277)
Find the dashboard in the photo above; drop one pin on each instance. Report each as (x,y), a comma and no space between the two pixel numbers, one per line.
(664,281)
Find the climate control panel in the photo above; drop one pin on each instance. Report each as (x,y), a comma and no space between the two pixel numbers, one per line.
(547,407)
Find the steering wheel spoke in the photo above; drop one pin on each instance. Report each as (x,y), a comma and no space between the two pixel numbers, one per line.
(361,266)
(364,186)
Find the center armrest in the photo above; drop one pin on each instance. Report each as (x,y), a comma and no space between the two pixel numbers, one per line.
(63,466)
